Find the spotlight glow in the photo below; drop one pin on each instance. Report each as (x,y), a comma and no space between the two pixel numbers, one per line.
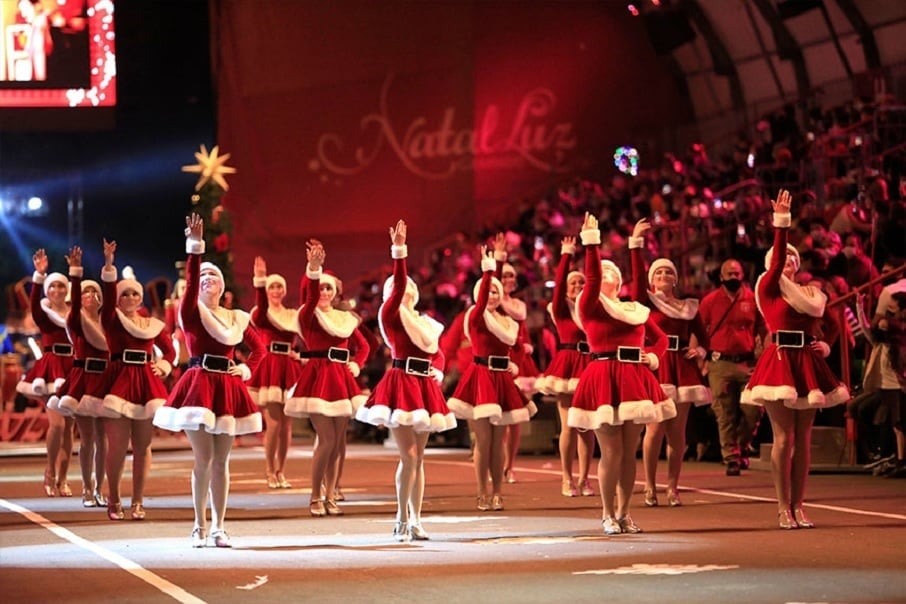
(34,204)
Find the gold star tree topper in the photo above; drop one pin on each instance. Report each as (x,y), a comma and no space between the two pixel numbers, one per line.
(210,167)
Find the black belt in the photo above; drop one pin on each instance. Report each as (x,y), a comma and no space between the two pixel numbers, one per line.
(61,350)
(493,362)
(91,364)
(624,354)
(337,355)
(581,347)
(211,362)
(674,343)
(413,366)
(280,347)
(131,357)
(785,338)
(746,357)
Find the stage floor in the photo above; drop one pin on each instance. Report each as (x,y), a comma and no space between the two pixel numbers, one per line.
(721,546)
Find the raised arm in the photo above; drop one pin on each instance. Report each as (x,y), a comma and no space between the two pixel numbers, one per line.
(558,301)
(500,255)
(636,249)
(76,272)
(315,255)
(484,290)
(398,251)
(259,281)
(108,282)
(782,221)
(195,246)
(591,239)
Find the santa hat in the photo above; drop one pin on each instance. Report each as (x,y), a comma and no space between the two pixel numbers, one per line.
(574,274)
(210,266)
(495,282)
(129,284)
(411,287)
(660,263)
(607,265)
(86,283)
(274,278)
(508,268)
(53,278)
(791,252)
(330,277)
(179,289)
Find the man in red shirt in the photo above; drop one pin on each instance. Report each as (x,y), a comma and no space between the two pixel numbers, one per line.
(732,322)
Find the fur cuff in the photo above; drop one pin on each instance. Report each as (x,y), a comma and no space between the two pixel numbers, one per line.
(500,256)
(636,243)
(398,252)
(653,361)
(488,264)
(165,367)
(38,278)
(568,249)
(76,271)
(590,237)
(313,274)
(246,372)
(782,221)
(193,246)
(108,275)
(354,369)
(259,282)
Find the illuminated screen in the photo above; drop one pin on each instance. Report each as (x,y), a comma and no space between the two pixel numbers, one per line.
(57,53)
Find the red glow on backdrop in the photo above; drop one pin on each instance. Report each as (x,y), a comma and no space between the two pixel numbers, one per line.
(57,54)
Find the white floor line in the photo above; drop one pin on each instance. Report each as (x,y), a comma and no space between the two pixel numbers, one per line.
(730,494)
(174,591)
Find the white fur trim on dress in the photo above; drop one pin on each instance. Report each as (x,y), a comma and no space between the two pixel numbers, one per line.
(552,385)
(491,412)
(804,299)
(420,419)
(284,319)
(305,406)
(122,407)
(231,334)
(639,412)
(151,331)
(269,394)
(55,317)
(787,395)
(423,331)
(631,313)
(699,395)
(194,418)
(675,308)
(506,333)
(590,237)
(39,388)
(53,403)
(338,323)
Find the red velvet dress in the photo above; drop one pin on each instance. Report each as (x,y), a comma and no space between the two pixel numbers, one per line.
(214,401)
(680,377)
(611,391)
(404,398)
(798,377)
(562,375)
(49,372)
(519,354)
(85,388)
(483,393)
(324,386)
(279,370)
(134,391)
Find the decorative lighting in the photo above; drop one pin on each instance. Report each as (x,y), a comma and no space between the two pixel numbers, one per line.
(626,160)
(34,204)
(633,10)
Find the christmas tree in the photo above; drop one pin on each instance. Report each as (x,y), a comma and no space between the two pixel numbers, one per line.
(207,203)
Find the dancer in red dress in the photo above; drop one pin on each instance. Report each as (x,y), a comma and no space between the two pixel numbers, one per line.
(408,399)
(678,372)
(210,402)
(791,379)
(618,391)
(326,391)
(486,395)
(82,396)
(562,375)
(136,388)
(49,372)
(521,353)
(278,328)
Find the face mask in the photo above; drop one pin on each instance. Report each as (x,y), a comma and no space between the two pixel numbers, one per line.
(732,285)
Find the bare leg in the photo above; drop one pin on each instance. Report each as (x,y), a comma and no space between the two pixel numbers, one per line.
(323,455)
(273,411)
(512,436)
(783,426)
(54,442)
(119,430)
(801,454)
(284,438)
(676,444)
(497,454)
(203,451)
(407,443)
(630,442)
(64,455)
(610,439)
(142,431)
(87,452)
(482,454)
(220,480)
(418,489)
(567,442)
(100,453)
(586,447)
(341,457)
(335,469)
(651,452)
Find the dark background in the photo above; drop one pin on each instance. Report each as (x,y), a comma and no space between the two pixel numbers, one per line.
(129,171)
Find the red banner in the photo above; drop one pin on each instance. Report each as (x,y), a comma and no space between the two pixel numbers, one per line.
(342,117)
